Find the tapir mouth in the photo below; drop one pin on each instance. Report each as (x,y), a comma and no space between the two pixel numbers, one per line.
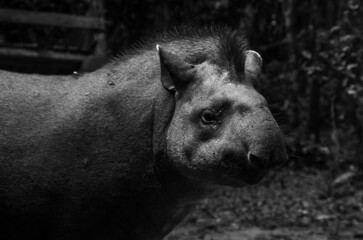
(248,169)
(248,174)
(253,175)
(235,170)
(258,167)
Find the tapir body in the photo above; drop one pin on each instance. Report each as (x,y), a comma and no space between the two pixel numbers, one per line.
(127,151)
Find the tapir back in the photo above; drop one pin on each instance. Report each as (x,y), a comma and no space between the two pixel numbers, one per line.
(26,101)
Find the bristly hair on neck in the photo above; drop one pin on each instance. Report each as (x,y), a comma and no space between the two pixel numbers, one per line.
(217,43)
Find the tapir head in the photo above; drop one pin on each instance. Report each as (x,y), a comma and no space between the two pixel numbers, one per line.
(222,131)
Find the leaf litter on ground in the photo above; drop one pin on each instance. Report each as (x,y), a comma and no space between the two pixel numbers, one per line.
(287,204)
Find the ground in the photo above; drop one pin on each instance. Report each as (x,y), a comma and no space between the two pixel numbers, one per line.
(288,205)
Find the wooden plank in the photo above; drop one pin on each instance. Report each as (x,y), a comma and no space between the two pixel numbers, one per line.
(51,55)
(51,19)
(57,48)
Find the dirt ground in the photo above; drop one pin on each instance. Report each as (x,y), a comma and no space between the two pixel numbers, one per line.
(287,205)
(255,233)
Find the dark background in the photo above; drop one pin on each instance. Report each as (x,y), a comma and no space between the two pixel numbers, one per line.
(312,78)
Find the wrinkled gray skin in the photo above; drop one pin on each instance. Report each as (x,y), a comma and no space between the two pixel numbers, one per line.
(127,151)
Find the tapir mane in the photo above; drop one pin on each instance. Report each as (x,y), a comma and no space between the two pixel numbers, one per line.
(218,44)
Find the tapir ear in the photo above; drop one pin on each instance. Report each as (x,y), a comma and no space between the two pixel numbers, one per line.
(253,64)
(175,72)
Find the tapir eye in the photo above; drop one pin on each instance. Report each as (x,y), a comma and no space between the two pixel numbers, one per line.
(209,118)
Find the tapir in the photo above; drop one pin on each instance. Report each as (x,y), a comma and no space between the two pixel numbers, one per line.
(127,151)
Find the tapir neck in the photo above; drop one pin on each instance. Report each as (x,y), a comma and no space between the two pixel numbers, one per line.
(180,191)
(178,188)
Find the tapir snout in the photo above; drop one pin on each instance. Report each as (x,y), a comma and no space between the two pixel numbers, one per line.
(266,145)
(260,146)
